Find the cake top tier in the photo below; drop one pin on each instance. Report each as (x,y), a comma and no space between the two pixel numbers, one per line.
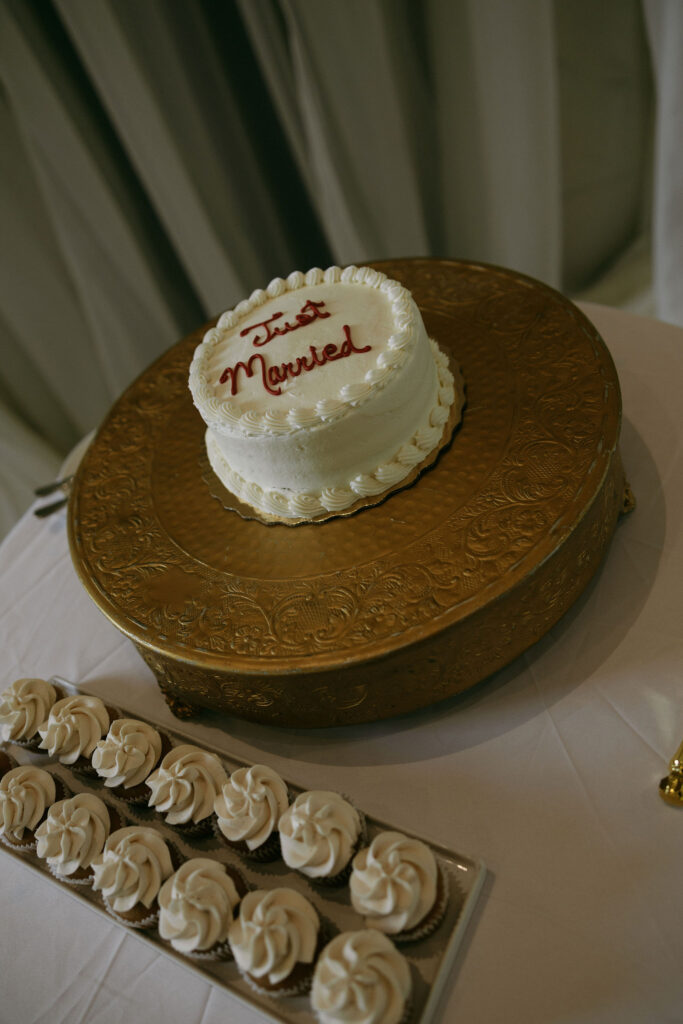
(303,351)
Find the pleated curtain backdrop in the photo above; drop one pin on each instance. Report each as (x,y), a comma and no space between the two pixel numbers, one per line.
(162,158)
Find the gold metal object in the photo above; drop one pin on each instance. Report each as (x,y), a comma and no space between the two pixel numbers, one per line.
(671,787)
(400,605)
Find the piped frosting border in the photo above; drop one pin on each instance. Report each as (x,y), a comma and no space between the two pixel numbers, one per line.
(224,417)
(300,504)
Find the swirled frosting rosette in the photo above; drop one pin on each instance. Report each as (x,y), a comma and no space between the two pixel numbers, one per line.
(73,834)
(274,940)
(396,885)
(248,809)
(185,786)
(73,728)
(26,793)
(361,978)
(197,906)
(129,873)
(126,756)
(319,833)
(23,709)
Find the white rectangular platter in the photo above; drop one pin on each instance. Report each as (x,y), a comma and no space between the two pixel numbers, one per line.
(430,959)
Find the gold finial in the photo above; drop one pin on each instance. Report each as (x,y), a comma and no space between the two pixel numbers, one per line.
(671,787)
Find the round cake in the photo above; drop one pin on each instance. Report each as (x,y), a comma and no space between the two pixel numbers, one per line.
(321,391)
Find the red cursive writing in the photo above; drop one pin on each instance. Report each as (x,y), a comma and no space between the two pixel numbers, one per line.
(273,376)
(309,312)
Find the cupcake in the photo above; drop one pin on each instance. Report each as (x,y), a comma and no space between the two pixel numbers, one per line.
(197,906)
(319,834)
(361,978)
(26,793)
(130,751)
(73,728)
(274,940)
(185,786)
(23,708)
(248,809)
(73,834)
(129,873)
(397,886)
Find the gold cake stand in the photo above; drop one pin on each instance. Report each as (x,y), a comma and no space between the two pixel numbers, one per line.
(396,606)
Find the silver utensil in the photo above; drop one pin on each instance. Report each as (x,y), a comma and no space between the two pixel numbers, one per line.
(45,489)
(47,510)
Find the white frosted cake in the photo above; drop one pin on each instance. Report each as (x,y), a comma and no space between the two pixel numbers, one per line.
(320,391)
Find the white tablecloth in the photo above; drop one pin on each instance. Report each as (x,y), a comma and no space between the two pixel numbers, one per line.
(548,772)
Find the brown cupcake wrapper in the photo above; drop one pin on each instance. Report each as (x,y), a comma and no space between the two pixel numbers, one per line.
(20,847)
(281,991)
(32,744)
(7,762)
(221,951)
(79,881)
(142,924)
(192,830)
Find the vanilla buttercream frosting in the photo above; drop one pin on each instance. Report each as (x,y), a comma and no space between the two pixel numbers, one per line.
(250,804)
(318,833)
(73,833)
(26,792)
(274,930)
(185,785)
(320,390)
(132,867)
(393,882)
(361,978)
(24,707)
(128,753)
(73,727)
(196,905)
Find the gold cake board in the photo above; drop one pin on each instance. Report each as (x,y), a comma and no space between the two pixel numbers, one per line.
(399,605)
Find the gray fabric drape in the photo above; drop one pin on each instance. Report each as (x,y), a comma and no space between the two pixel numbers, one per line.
(162,159)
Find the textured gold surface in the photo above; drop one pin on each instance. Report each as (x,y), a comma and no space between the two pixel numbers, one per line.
(396,606)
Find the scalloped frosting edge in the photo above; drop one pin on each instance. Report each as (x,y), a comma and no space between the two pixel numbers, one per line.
(223,417)
(307,504)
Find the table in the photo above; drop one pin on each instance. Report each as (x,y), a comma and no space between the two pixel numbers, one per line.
(548,771)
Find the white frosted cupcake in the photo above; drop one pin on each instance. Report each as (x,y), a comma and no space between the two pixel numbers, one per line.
(248,809)
(129,873)
(73,728)
(319,834)
(127,755)
(26,793)
(185,786)
(397,886)
(24,706)
(73,834)
(197,906)
(275,940)
(361,978)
